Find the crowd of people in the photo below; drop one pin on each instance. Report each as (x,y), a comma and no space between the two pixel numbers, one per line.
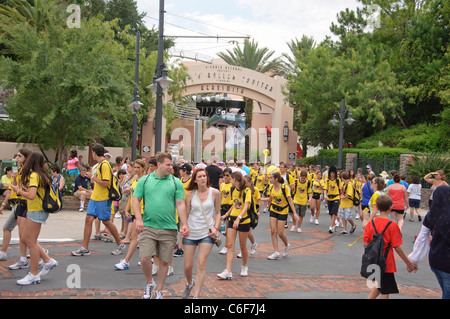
(180,209)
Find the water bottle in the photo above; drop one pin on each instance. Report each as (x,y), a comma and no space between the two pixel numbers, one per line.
(222,226)
(14,166)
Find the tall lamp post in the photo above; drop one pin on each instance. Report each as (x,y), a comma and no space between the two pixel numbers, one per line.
(162,80)
(335,122)
(136,104)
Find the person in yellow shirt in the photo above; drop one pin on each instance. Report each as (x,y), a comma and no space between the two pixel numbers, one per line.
(301,198)
(99,205)
(33,181)
(226,202)
(260,182)
(238,221)
(139,169)
(316,197)
(346,206)
(279,197)
(332,196)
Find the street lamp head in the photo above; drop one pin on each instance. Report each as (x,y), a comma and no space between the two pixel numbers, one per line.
(135,105)
(164,80)
(154,86)
(334,121)
(350,119)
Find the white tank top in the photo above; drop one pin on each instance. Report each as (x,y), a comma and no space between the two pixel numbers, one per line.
(196,222)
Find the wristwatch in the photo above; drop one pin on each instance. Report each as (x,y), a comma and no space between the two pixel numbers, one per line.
(239,216)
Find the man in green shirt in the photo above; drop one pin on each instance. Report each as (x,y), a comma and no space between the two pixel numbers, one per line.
(157,227)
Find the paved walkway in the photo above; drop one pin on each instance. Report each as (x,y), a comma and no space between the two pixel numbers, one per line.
(320,266)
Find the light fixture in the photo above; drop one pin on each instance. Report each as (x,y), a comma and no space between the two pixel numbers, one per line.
(154,86)
(334,121)
(286,131)
(350,119)
(164,80)
(136,104)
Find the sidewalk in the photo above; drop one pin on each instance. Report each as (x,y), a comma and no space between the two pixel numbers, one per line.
(320,266)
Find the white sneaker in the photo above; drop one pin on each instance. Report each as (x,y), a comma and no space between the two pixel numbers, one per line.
(48,266)
(158,294)
(293,228)
(148,290)
(81,209)
(253,249)
(276,255)
(239,255)
(286,250)
(316,222)
(3,255)
(311,220)
(225,275)
(244,271)
(155,269)
(187,289)
(223,251)
(19,265)
(170,271)
(29,279)
(122,265)
(299,230)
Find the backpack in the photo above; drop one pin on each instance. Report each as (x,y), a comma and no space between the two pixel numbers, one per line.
(52,201)
(251,211)
(373,253)
(356,197)
(114,191)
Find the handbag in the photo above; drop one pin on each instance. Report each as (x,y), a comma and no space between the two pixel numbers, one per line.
(217,240)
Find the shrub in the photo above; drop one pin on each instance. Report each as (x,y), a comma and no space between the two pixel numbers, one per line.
(431,162)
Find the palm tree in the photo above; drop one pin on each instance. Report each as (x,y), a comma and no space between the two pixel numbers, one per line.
(300,50)
(254,58)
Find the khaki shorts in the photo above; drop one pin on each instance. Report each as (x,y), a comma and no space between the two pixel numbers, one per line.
(157,242)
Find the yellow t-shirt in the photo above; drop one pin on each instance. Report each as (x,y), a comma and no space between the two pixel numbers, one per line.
(316,186)
(261,182)
(301,192)
(239,201)
(332,188)
(347,189)
(104,173)
(35,205)
(13,193)
(132,188)
(185,185)
(256,197)
(225,190)
(279,200)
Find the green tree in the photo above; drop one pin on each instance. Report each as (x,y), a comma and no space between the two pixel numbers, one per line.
(71,84)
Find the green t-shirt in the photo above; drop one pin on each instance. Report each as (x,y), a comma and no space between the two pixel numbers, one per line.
(159,196)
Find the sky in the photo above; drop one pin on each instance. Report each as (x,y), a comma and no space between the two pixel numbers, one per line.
(270,23)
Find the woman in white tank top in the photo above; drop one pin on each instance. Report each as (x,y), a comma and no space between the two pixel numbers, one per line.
(201,232)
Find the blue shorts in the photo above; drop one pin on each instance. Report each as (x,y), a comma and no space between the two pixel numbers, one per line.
(38,216)
(100,209)
(193,242)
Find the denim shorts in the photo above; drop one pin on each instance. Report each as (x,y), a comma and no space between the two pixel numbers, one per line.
(38,217)
(196,242)
(100,209)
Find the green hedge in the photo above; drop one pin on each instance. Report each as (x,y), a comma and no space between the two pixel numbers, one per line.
(379,152)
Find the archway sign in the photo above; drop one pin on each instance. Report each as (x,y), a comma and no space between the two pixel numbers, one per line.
(236,81)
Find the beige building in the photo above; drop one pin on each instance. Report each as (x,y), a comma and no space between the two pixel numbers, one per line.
(272,121)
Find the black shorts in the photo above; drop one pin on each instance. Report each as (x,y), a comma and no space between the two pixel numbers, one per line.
(316,196)
(398,211)
(388,284)
(282,217)
(245,228)
(333,207)
(20,210)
